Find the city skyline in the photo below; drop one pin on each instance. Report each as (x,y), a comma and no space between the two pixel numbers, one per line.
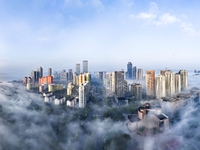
(150,34)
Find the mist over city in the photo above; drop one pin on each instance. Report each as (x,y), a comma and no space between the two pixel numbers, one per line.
(99,75)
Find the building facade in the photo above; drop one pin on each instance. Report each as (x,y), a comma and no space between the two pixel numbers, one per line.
(83,94)
(49,72)
(136,91)
(85,66)
(78,69)
(134,73)
(129,71)
(117,83)
(160,86)
(150,83)
(184,79)
(140,74)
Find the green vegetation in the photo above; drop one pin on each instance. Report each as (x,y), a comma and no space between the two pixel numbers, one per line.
(118,141)
(116,113)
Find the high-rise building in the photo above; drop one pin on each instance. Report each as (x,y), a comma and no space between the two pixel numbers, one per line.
(160,86)
(40,72)
(76,79)
(184,79)
(78,69)
(70,88)
(117,83)
(85,66)
(83,94)
(85,77)
(70,75)
(46,80)
(134,73)
(63,75)
(129,71)
(177,83)
(34,76)
(140,74)
(49,72)
(150,83)
(136,91)
(169,83)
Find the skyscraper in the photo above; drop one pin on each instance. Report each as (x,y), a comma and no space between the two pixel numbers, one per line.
(129,71)
(83,94)
(140,74)
(160,86)
(85,66)
(150,83)
(136,91)
(117,83)
(177,83)
(70,75)
(40,72)
(169,83)
(184,79)
(34,76)
(134,73)
(78,69)
(49,72)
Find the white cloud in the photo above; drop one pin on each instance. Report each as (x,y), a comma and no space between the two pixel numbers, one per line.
(147,16)
(153,8)
(189,29)
(167,19)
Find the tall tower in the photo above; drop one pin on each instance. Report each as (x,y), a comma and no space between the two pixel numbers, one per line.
(160,86)
(177,83)
(83,94)
(184,79)
(129,71)
(34,76)
(78,69)
(150,83)
(70,75)
(49,72)
(134,73)
(117,83)
(85,66)
(40,72)
(140,74)
(136,91)
(170,83)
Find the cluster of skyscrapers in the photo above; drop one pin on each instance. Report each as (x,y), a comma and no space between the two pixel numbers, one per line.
(116,83)
(167,84)
(133,73)
(36,75)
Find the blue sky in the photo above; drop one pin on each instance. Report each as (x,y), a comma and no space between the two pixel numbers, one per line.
(61,33)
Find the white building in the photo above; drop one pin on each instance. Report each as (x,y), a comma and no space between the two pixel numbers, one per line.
(60,101)
(49,99)
(70,87)
(83,94)
(160,86)
(184,79)
(71,102)
(47,94)
(177,83)
(170,83)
